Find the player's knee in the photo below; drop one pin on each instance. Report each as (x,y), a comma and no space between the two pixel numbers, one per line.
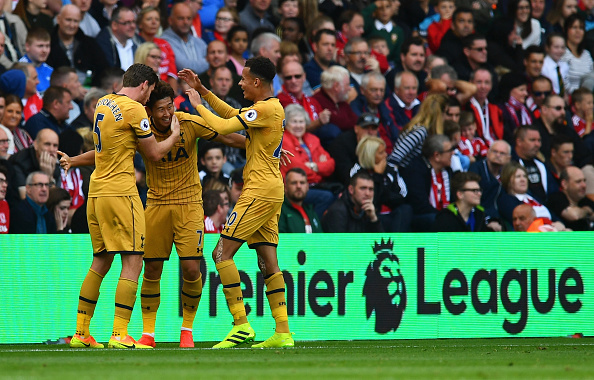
(191,270)
(153,269)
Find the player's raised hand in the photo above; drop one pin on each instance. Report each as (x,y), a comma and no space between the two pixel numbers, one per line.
(194,97)
(284,158)
(192,79)
(175,127)
(65,161)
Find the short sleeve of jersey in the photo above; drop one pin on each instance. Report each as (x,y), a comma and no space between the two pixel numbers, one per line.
(198,125)
(257,116)
(140,122)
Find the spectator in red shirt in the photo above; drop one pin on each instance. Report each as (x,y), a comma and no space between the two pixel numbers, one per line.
(438,29)
(216,207)
(334,95)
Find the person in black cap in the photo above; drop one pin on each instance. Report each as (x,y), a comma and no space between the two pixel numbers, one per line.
(513,91)
(343,148)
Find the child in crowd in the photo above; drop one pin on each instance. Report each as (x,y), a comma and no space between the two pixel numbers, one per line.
(213,159)
(471,145)
(460,162)
(583,110)
(553,68)
(238,46)
(439,28)
(37,47)
(380,50)
(286,9)
(383,12)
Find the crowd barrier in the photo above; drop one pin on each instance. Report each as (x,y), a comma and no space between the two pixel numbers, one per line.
(339,287)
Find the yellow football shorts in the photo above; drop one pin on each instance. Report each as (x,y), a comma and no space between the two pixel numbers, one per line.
(180,224)
(255,221)
(116,225)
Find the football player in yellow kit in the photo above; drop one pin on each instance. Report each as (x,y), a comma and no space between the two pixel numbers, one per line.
(174,212)
(114,209)
(255,216)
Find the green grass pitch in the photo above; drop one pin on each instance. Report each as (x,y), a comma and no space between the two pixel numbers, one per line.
(520,358)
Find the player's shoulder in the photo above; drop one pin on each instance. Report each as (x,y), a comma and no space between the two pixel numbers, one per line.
(262,109)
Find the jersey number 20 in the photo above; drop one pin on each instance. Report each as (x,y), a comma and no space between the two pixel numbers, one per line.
(97,131)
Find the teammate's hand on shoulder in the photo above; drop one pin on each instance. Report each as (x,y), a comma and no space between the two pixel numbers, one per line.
(194,97)
(65,161)
(175,127)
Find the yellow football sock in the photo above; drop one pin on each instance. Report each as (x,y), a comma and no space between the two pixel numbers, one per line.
(124,304)
(190,297)
(232,289)
(87,300)
(275,292)
(150,298)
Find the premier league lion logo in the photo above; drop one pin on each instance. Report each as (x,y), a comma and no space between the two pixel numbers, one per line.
(384,288)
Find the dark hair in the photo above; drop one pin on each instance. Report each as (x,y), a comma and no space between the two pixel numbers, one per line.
(417,41)
(468,41)
(461,10)
(115,15)
(459,181)
(296,170)
(521,131)
(162,90)
(453,102)
(60,75)
(40,34)
(211,200)
(359,175)
(236,29)
(481,68)
(52,94)
(138,73)
(450,127)
(549,40)
(346,17)
(261,67)
(210,146)
(533,49)
(318,36)
(56,195)
(299,22)
(568,23)
(71,142)
(12,98)
(559,140)
(466,118)
(110,75)
(512,10)
(578,95)
(542,78)
(4,170)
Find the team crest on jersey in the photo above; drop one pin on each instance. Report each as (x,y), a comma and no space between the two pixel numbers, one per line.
(251,115)
(144,125)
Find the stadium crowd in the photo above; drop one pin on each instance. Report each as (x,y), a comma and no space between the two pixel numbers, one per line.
(402,115)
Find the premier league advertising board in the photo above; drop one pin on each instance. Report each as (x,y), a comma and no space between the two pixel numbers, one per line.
(338,287)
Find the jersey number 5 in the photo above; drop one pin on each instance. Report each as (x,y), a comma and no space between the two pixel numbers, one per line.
(97,131)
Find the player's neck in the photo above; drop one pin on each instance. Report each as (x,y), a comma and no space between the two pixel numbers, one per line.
(131,92)
(263,94)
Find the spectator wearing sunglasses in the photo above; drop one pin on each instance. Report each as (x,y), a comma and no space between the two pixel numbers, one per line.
(541,88)
(475,56)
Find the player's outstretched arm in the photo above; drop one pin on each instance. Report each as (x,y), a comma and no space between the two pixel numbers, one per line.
(156,150)
(222,126)
(234,140)
(222,108)
(85,159)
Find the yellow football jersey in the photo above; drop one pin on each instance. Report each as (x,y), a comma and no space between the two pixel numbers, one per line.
(119,123)
(264,123)
(174,179)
